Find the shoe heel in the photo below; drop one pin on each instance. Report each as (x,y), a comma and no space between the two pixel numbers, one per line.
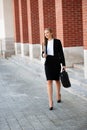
(59,101)
(51,108)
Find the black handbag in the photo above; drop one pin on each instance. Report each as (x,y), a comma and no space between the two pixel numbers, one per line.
(65,79)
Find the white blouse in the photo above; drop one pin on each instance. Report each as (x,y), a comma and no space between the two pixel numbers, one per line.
(50,47)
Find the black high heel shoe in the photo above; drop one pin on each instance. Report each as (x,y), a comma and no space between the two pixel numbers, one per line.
(59,100)
(51,108)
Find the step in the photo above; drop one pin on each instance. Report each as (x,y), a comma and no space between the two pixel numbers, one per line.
(79,66)
(77,77)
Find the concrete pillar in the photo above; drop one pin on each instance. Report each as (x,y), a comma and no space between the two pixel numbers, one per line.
(17,48)
(84,9)
(17,27)
(59,20)
(33,29)
(23,19)
(6,27)
(85,63)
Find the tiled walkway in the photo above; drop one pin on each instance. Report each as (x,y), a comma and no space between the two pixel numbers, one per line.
(24,101)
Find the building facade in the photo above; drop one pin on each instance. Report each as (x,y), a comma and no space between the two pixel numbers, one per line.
(22,24)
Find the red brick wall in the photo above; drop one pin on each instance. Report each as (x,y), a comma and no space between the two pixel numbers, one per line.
(23,21)
(35,21)
(16,20)
(63,16)
(84,3)
(47,17)
(49,14)
(72,23)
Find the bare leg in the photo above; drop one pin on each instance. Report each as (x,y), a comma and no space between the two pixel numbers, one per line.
(50,92)
(58,89)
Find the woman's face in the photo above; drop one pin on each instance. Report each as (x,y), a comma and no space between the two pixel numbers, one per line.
(48,34)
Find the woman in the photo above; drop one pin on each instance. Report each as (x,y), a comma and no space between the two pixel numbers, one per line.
(54,55)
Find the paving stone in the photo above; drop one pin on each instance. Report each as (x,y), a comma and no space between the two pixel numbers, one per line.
(24,99)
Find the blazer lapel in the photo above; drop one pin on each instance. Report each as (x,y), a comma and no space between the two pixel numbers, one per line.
(54,47)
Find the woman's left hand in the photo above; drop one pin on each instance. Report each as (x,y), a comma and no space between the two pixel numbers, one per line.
(63,68)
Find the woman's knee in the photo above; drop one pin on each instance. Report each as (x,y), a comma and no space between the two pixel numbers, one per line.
(49,82)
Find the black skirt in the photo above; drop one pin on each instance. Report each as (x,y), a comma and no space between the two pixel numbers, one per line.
(52,68)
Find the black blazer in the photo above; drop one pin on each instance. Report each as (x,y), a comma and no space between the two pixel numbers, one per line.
(58,51)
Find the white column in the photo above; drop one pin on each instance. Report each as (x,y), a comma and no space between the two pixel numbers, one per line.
(85,63)
(35,51)
(24,49)
(17,48)
(73,55)
(6,27)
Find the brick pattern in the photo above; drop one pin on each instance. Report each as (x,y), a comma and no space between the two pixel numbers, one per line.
(47,17)
(64,17)
(16,20)
(23,21)
(84,3)
(72,23)
(35,21)
(49,14)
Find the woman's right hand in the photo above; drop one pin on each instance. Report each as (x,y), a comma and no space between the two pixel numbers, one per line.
(44,55)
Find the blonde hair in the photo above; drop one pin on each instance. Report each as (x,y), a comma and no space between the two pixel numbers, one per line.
(49,29)
(45,39)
